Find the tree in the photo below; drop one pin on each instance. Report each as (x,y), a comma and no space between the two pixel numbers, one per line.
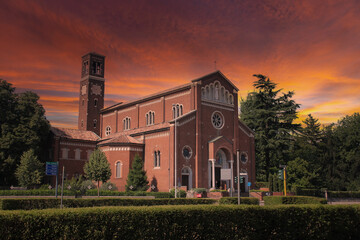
(98,168)
(23,127)
(300,174)
(137,179)
(271,115)
(30,171)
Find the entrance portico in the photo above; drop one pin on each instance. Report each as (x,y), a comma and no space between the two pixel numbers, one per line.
(220,157)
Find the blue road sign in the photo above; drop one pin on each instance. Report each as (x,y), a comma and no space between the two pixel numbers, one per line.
(249,184)
(51,168)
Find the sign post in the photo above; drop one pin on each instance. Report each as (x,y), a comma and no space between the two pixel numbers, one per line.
(52,169)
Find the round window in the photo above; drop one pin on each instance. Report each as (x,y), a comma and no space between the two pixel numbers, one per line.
(243,157)
(187,152)
(217,120)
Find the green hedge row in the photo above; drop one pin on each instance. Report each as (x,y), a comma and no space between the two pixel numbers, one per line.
(344,194)
(29,204)
(243,200)
(277,200)
(185,222)
(91,192)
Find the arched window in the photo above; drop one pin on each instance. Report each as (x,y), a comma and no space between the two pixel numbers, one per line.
(118,169)
(181,110)
(107,131)
(150,118)
(156,159)
(211,97)
(173,112)
(231,99)
(177,110)
(217,91)
(95,102)
(95,122)
(222,97)
(126,123)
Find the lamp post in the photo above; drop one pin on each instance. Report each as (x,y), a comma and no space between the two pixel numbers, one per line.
(175,151)
(238,173)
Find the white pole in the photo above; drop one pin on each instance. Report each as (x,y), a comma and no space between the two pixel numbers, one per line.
(62,187)
(175,158)
(238,173)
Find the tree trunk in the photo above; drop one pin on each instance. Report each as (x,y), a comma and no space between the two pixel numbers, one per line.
(98,189)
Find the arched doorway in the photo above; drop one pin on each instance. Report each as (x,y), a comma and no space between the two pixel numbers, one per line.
(186,177)
(221,162)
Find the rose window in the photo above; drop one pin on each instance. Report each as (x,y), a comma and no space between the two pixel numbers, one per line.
(217,120)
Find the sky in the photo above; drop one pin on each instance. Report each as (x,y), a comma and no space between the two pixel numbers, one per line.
(311,47)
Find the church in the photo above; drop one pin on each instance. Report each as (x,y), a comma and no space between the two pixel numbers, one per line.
(188,136)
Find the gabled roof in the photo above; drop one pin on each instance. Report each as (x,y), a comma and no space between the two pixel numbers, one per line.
(216,73)
(120,138)
(166,92)
(74,134)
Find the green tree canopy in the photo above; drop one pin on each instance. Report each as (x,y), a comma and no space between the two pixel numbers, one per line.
(271,115)
(30,171)
(98,168)
(23,127)
(137,179)
(300,174)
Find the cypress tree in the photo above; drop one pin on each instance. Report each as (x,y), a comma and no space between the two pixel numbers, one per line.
(137,179)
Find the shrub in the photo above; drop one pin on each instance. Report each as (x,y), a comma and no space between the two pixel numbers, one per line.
(217,190)
(184,222)
(344,194)
(180,193)
(308,192)
(261,185)
(243,200)
(108,186)
(278,200)
(198,190)
(29,204)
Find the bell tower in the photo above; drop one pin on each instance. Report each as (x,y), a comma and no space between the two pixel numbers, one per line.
(92,86)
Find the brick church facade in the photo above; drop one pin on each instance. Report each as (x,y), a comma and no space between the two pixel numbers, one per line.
(189,135)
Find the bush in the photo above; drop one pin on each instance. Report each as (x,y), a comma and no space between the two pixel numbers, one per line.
(30,204)
(278,200)
(243,200)
(108,186)
(308,192)
(91,192)
(180,193)
(344,194)
(217,190)
(198,190)
(184,222)
(259,185)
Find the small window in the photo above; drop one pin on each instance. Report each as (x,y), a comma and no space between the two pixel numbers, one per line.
(150,118)
(243,157)
(108,131)
(95,122)
(187,152)
(95,102)
(156,159)
(118,167)
(126,123)
(82,123)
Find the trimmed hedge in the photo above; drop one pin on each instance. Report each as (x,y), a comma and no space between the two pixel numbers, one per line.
(243,200)
(277,200)
(29,204)
(91,192)
(185,222)
(344,194)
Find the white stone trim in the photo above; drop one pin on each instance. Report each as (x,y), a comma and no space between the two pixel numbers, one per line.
(186,121)
(249,135)
(77,144)
(157,135)
(177,95)
(111,149)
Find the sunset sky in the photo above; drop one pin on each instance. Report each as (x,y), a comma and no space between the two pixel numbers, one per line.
(311,47)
